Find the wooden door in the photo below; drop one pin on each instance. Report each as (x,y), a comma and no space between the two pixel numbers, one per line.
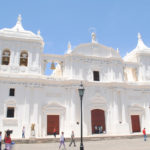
(52,122)
(97,119)
(135,123)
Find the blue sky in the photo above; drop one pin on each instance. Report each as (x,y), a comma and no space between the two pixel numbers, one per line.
(116,22)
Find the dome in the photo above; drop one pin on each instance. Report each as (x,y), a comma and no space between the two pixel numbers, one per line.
(141,48)
(140,45)
(18,32)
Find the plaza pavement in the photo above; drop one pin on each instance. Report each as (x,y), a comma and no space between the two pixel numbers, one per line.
(117,144)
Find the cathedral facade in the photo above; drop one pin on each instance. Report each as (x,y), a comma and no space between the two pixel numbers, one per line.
(117,90)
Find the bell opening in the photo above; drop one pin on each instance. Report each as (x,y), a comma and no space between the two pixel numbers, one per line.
(53,66)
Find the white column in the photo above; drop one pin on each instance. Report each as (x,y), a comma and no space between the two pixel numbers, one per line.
(115,109)
(72,110)
(36,64)
(39,125)
(11,58)
(29,59)
(147,118)
(0,57)
(123,114)
(17,59)
(108,121)
(43,124)
(142,121)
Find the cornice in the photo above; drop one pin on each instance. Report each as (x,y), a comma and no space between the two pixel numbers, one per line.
(96,58)
(131,64)
(30,40)
(40,82)
(53,57)
(77,56)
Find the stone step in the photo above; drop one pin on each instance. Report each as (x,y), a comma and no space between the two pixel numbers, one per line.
(91,138)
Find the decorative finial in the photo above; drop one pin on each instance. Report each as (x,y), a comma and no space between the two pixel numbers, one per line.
(139,36)
(117,50)
(93,37)
(140,44)
(18,27)
(69,47)
(38,32)
(19,18)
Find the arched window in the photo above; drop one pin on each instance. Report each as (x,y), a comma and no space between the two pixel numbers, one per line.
(6,57)
(23,59)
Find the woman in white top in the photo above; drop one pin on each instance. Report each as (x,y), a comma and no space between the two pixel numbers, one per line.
(62,140)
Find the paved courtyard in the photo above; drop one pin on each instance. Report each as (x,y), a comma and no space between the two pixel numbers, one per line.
(122,144)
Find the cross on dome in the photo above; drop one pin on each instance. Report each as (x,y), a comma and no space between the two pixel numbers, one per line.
(117,50)
(38,32)
(69,48)
(69,45)
(19,18)
(139,36)
(18,25)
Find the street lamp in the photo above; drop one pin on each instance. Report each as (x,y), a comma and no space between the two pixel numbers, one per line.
(81,93)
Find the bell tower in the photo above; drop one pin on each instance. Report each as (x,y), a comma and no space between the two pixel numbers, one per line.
(21,50)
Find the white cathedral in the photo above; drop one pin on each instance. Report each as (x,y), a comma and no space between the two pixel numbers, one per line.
(117,90)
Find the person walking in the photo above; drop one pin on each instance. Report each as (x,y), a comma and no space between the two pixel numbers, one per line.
(144,133)
(0,140)
(62,140)
(54,132)
(72,139)
(23,132)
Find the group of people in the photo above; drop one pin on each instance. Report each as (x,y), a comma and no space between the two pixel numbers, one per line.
(62,140)
(8,142)
(98,129)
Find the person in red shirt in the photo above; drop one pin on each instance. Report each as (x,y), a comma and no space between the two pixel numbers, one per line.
(54,132)
(7,141)
(144,133)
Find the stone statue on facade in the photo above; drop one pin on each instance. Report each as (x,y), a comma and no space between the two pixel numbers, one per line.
(33,130)
(93,37)
(69,48)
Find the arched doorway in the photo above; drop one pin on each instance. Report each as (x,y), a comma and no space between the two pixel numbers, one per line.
(98,121)
(53,117)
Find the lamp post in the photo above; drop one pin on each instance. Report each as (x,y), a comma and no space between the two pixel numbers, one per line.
(81,93)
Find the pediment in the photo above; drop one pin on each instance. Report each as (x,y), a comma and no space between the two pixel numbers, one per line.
(136,109)
(53,105)
(11,103)
(98,99)
(96,50)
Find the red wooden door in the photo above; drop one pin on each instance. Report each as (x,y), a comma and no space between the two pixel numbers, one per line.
(135,123)
(98,119)
(52,122)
